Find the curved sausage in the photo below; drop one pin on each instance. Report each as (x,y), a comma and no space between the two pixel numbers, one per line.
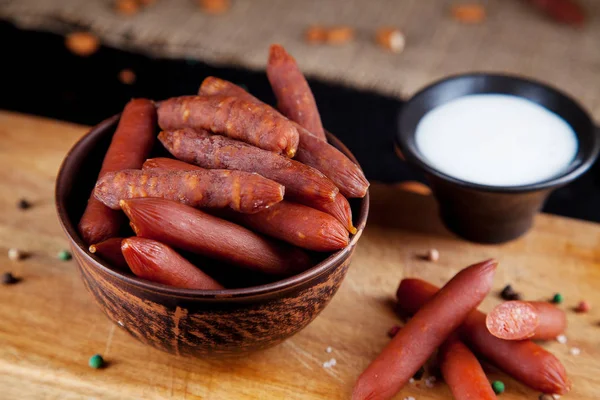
(294,97)
(293,223)
(240,191)
(110,251)
(299,225)
(518,320)
(425,332)
(187,228)
(237,118)
(346,175)
(129,147)
(340,208)
(462,372)
(202,148)
(523,360)
(156,262)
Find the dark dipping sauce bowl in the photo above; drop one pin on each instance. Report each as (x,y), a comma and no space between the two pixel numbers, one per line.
(493,214)
(195,322)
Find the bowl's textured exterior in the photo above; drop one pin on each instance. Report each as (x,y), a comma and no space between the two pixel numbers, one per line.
(196,327)
(188,322)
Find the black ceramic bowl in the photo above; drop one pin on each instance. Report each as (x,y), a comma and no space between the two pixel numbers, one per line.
(494,214)
(186,321)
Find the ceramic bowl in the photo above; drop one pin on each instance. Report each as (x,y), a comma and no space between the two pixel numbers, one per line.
(194,322)
(493,214)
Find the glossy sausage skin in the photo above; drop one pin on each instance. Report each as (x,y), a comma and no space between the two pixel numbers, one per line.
(293,223)
(425,332)
(294,97)
(183,227)
(518,320)
(299,225)
(523,360)
(157,262)
(237,118)
(240,191)
(462,372)
(130,145)
(110,251)
(302,183)
(340,208)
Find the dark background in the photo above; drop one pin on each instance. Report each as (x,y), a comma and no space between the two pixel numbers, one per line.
(40,76)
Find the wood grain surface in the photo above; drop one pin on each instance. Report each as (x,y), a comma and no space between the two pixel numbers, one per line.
(49,325)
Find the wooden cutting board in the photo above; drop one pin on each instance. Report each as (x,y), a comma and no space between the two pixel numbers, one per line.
(49,325)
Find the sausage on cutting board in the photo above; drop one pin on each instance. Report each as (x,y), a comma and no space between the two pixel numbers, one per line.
(523,360)
(425,332)
(518,320)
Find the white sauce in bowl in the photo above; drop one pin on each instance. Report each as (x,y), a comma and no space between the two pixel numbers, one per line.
(496,140)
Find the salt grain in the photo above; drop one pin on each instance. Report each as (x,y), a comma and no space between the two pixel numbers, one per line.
(556,396)
(328,349)
(575,351)
(15,254)
(409,398)
(329,364)
(430,382)
(562,339)
(411,380)
(433,255)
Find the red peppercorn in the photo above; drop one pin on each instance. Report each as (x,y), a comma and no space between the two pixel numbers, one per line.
(393,331)
(583,307)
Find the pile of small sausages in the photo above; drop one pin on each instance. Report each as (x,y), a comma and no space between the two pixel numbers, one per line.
(249,186)
(447,319)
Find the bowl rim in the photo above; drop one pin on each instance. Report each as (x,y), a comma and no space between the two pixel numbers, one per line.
(570,174)
(334,260)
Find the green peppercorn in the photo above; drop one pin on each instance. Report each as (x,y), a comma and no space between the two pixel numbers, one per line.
(498,387)
(96,361)
(64,255)
(558,298)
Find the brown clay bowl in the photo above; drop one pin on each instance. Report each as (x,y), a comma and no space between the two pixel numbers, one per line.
(194,322)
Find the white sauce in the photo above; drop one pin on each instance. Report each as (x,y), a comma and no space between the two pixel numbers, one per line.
(496,140)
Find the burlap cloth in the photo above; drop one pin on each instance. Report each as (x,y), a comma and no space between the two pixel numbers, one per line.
(514,39)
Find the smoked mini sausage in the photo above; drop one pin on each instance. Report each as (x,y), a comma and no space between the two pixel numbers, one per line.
(110,251)
(157,262)
(302,183)
(424,332)
(129,147)
(312,151)
(240,191)
(293,223)
(186,228)
(346,175)
(518,320)
(462,372)
(294,97)
(523,360)
(237,118)
(340,208)
(299,225)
